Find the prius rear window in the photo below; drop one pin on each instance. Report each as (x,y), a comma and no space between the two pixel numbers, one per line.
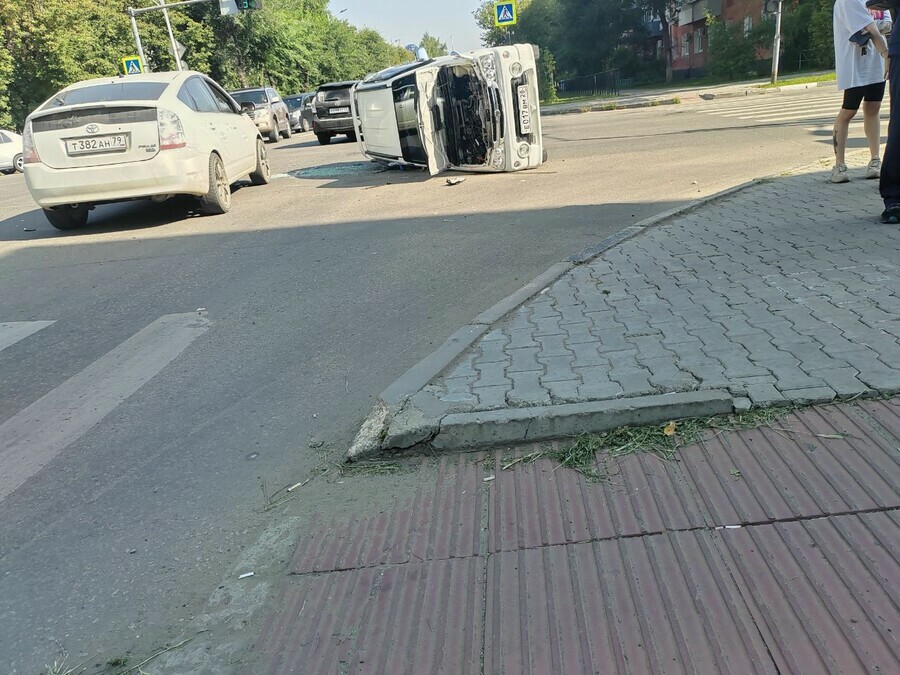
(112,91)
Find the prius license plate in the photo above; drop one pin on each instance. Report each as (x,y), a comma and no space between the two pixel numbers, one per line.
(96,144)
(524,110)
(339,111)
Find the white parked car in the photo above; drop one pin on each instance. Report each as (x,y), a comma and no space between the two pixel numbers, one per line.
(154,136)
(10,152)
(478,111)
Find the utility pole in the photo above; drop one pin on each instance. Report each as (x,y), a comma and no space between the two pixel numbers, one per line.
(137,38)
(776,49)
(174,44)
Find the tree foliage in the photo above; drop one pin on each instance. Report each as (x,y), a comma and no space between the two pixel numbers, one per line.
(433,45)
(732,52)
(294,45)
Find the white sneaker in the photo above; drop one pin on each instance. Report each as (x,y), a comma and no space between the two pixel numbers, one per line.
(874,169)
(839,174)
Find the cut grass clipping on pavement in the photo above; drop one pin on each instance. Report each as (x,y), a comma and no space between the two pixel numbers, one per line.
(589,454)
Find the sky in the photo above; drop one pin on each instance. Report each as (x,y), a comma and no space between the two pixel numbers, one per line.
(406,21)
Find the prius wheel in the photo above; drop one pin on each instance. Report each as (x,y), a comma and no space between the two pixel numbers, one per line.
(67,217)
(263,173)
(218,199)
(19,163)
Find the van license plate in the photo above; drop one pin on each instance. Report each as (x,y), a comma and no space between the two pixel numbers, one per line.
(96,144)
(338,111)
(524,110)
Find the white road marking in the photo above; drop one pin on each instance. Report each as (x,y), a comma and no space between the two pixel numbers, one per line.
(32,438)
(12,332)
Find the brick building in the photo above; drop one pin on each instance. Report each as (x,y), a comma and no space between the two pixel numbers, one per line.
(690,40)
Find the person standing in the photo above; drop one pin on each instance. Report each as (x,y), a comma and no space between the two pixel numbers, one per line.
(859,51)
(890,174)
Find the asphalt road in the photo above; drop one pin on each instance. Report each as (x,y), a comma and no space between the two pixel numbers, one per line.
(194,364)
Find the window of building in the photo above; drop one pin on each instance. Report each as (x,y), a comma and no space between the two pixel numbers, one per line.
(698,41)
(686,44)
(748,24)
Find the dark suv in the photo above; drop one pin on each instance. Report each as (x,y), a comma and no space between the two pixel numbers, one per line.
(331,112)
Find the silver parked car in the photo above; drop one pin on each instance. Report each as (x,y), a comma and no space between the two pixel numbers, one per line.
(271,115)
(10,152)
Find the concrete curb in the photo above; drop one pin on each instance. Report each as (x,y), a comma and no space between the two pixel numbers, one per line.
(465,431)
(612,105)
(380,433)
(756,90)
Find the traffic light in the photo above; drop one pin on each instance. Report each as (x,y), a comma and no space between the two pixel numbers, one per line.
(236,6)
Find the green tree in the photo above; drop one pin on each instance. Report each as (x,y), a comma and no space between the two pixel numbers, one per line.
(732,52)
(433,45)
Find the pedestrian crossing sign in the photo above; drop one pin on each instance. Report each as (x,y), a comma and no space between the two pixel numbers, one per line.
(505,13)
(132,65)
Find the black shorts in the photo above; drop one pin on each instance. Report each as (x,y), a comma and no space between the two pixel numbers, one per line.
(869,92)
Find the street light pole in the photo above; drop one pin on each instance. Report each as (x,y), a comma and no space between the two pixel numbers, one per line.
(776,49)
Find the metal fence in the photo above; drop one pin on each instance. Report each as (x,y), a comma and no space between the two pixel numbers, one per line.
(598,84)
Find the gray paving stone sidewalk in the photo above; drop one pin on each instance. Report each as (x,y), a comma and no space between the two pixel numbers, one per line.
(786,292)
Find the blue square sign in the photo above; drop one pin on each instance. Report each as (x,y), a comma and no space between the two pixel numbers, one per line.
(505,14)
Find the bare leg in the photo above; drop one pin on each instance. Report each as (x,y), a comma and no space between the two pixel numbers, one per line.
(839,137)
(872,124)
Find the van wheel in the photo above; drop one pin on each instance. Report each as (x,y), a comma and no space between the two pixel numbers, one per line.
(324,139)
(68,217)
(19,163)
(218,199)
(263,173)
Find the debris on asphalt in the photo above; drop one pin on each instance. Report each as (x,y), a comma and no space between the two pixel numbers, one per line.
(316,443)
(245,575)
(132,551)
(489,479)
(455,181)
(669,430)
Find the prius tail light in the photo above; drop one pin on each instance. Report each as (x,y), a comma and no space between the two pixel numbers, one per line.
(171,133)
(29,151)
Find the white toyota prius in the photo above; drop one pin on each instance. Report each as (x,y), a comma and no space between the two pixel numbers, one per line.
(154,136)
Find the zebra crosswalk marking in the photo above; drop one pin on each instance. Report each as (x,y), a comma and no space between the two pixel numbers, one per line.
(12,332)
(33,437)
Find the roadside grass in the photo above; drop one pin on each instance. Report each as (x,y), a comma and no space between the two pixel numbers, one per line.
(590,454)
(810,79)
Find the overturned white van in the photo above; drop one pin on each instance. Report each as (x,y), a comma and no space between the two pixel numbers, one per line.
(478,111)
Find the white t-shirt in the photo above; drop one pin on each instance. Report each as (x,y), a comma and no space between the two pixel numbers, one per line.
(854,69)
